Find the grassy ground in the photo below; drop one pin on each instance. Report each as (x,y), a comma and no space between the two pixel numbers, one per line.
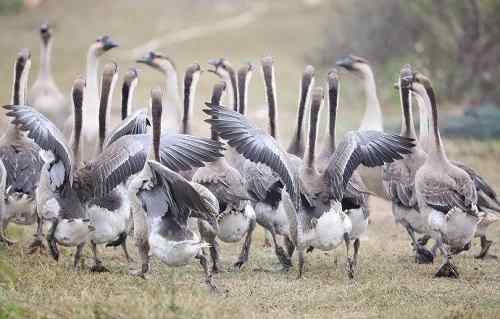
(388,284)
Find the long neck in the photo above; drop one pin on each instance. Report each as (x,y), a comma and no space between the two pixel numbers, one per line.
(423,110)
(216,98)
(436,150)
(91,100)
(127,98)
(313,133)
(232,90)
(172,89)
(372,119)
(407,125)
(332,117)
(271,102)
(243,80)
(76,146)
(297,145)
(20,83)
(104,110)
(189,94)
(45,53)
(156,114)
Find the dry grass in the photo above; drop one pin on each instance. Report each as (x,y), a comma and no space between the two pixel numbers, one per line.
(388,284)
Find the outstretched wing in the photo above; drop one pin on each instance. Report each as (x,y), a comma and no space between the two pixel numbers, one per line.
(47,136)
(127,156)
(370,148)
(180,152)
(251,142)
(135,123)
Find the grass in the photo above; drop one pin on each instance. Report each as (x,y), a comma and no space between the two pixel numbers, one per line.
(388,284)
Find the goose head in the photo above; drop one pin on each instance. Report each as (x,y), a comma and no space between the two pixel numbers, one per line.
(23,61)
(103,44)
(222,68)
(45,33)
(158,61)
(355,64)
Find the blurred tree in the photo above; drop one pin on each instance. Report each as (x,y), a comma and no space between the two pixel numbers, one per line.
(455,42)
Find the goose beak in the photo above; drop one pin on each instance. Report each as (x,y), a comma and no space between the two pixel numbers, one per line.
(346,63)
(109,44)
(146,59)
(214,63)
(45,33)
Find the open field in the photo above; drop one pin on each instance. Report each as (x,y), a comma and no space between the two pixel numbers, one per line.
(388,284)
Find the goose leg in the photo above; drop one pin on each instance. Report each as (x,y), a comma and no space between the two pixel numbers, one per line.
(267,239)
(356,250)
(349,264)
(125,251)
(208,275)
(283,258)
(485,247)
(422,254)
(290,247)
(37,243)
(245,250)
(300,252)
(3,237)
(98,267)
(210,237)
(143,248)
(447,269)
(51,240)
(78,255)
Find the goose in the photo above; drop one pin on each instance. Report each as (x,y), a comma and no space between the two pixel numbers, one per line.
(109,214)
(297,146)
(266,185)
(322,225)
(90,132)
(128,89)
(488,202)
(235,220)
(399,176)
(21,158)
(446,194)
(355,199)
(44,94)
(372,117)
(163,201)
(166,66)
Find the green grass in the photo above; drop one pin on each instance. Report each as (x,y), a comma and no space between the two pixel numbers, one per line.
(387,285)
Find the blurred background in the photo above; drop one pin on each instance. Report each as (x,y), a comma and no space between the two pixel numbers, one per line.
(453,42)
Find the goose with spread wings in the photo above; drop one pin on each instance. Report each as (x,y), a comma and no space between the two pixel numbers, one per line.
(236,218)
(313,212)
(162,202)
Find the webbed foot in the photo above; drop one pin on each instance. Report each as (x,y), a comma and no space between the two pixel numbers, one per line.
(447,270)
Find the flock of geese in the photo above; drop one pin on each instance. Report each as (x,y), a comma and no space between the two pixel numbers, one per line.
(179,194)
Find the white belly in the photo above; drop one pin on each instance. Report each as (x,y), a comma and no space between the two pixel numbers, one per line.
(457,228)
(175,253)
(72,232)
(359,223)
(233,227)
(329,231)
(109,224)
